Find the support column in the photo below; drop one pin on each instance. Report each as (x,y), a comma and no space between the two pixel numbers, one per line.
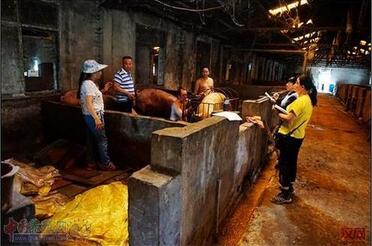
(154,208)
(304,64)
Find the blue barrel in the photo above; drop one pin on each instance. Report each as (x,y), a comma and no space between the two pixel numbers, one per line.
(331,88)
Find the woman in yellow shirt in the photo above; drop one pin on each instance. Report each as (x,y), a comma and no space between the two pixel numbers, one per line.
(291,134)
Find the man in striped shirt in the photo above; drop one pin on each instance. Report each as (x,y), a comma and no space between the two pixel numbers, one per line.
(124,85)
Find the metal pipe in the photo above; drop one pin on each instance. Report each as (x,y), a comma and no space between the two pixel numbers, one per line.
(276,44)
(274,51)
(304,28)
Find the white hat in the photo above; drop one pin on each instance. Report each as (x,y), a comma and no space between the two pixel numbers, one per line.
(91,66)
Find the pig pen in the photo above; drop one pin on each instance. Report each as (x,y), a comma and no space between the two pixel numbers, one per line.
(195,178)
(357,100)
(129,137)
(196,173)
(129,146)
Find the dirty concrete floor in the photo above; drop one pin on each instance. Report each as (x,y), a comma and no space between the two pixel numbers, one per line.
(332,189)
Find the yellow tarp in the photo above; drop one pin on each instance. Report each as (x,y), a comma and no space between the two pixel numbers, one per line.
(99,215)
(47,205)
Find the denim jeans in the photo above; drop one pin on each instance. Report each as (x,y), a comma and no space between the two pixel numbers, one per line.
(97,140)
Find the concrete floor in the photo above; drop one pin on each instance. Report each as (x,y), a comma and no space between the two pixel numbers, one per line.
(332,190)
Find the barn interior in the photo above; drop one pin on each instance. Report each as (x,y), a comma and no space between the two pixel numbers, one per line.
(205,179)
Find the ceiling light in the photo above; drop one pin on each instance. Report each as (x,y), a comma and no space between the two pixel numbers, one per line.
(369,44)
(307,35)
(363,42)
(288,7)
(309,22)
(299,38)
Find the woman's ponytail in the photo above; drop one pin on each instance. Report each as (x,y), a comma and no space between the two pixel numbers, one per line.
(307,82)
(83,76)
(313,95)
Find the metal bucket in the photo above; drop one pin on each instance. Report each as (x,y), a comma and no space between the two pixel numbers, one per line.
(7,176)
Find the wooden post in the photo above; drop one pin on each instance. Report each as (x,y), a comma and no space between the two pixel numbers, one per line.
(304,63)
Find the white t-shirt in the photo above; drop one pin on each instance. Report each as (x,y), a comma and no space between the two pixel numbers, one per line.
(89,88)
(176,113)
(290,96)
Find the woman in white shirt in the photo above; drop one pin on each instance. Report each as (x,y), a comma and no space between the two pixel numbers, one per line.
(91,101)
(290,96)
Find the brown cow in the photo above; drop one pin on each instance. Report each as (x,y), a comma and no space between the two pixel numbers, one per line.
(150,102)
(70,98)
(158,103)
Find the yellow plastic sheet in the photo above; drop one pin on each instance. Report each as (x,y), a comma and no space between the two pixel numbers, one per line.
(47,205)
(98,216)
(34,180)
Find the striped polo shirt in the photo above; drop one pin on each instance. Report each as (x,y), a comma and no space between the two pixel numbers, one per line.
(125,81)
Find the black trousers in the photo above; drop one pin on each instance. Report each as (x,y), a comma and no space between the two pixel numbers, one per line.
(125,106)
(289,148)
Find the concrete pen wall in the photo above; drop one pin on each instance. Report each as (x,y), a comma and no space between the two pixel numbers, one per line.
(195,178)
(129,136)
